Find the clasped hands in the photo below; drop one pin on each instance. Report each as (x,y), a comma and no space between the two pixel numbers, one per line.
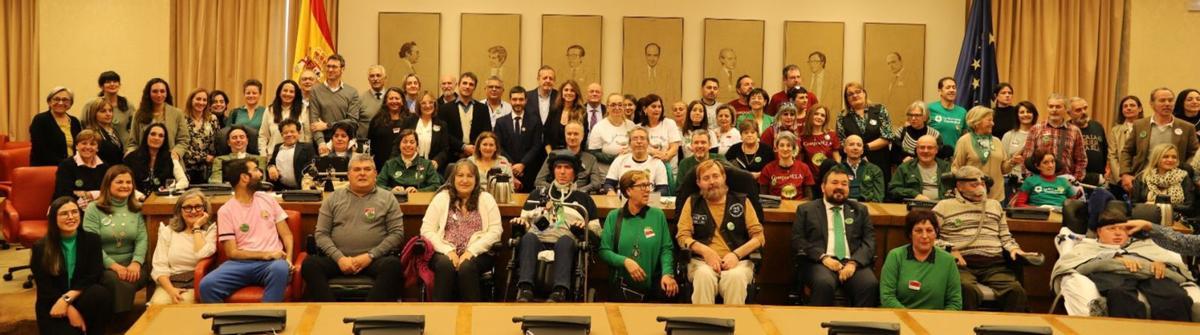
(354,265)
(844,270)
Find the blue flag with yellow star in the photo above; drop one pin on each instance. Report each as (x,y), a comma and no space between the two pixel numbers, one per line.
(976,70)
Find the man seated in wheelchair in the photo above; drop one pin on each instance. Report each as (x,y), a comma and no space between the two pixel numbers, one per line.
(975,229)
(721,229)
(1112,274)
(555,218)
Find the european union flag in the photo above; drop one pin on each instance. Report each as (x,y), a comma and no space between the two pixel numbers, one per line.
(976,71)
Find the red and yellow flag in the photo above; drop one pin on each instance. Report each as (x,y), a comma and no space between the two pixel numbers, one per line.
(313,42)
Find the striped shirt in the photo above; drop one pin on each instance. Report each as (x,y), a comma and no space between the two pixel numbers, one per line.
(973,228)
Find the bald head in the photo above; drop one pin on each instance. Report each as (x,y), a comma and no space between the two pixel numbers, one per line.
(447,84)
(854,147)
(595,93)
(927,148)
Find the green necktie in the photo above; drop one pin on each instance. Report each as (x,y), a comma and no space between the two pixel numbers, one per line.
(839,234)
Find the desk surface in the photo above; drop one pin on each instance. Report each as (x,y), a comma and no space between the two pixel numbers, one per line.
(637,319)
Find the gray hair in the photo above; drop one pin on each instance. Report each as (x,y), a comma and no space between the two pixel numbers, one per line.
(57,89)
(787,135)
(919,105)
(177,223)
(361,157)
(1056,96)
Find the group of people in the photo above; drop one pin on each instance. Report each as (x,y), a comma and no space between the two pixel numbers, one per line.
(561,143)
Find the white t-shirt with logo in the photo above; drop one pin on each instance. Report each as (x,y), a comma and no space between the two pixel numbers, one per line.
(653,166)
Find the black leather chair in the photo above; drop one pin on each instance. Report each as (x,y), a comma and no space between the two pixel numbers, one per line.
(738,181)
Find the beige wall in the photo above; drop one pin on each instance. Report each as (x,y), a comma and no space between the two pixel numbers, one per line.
(81,38)
(1163,44)
(944,19)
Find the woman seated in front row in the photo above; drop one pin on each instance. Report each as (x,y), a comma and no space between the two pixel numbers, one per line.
(1044,188)
(66,267)
(189,237)
(116,216)
(1164,178)
(919,275)
(408,172)
(462,223)
(638,246)
(341,146)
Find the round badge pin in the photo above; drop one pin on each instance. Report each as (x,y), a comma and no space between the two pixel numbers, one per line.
(396,174)
(874,123)
(849,220)
(78,183)
(729,225)
(1178,131)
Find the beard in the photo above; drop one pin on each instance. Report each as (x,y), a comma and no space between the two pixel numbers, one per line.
(836,197)
(715,192)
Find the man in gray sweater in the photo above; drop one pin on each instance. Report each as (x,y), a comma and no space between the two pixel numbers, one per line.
(357,229)
(333,100)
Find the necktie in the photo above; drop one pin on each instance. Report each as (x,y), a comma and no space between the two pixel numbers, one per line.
(592,122)
(378,96)
(839,234)
(517,125)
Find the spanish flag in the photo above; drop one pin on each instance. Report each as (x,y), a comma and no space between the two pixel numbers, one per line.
(313,42)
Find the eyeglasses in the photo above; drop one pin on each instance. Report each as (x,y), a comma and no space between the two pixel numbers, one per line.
(494,87)
(62,100)
(912,115)
(644,186)
(193,208)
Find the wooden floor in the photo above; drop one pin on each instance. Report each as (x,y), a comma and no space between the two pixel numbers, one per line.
(620,319)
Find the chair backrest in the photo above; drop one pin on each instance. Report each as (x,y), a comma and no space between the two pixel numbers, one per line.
(1075,216)
(11,159)
(33,187)
(294,224)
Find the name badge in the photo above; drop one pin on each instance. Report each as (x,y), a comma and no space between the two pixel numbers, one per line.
(914,285)
(874,123)
(648,232)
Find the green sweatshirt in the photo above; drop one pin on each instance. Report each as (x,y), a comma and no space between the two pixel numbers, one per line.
(933,283)
(647,231)
(906,182)
(420,174)
(123,236)
(688,164)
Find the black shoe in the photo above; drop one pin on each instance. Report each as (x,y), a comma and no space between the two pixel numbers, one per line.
(559,295)
(524,295)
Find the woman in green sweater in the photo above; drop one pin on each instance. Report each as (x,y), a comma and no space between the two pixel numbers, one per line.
(643,254)
(408,171)
(116,216)
(918,275)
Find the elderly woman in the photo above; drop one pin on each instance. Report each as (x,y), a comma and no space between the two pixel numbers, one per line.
(116,216)
(462,223)
(1044,188)
(982,150)
(66,267)
(1165,179)
(869,121)
(918,125)
(918,275)
(750,155)
(408,172)
(78,176)
(52,132)
(189,237)
(640,256)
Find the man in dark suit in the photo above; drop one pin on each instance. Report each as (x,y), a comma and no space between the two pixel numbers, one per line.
(466,118)
(594,108)
(836,243)
(290,158)
(520,139)
(538,101)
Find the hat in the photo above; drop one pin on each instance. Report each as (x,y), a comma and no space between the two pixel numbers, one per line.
(564,155)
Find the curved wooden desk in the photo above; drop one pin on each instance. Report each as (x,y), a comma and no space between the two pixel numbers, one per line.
(777,274)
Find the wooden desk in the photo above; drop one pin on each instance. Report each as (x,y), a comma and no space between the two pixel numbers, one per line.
(888,220)
(623,319)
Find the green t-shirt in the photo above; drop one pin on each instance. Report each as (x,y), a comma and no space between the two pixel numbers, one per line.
(68,250)
(905,282)
(1047,192)
(949,123)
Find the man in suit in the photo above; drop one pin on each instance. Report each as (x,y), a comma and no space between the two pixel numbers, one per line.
(372,97)
(836,241)
(1166,129)
(288,160)
(539,101)
(466,118)
(594,107)
(722,229)
(520,139)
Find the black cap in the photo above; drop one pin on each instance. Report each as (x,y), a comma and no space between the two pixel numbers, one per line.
(564,155)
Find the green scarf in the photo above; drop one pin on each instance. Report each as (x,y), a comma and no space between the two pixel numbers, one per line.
(982,145)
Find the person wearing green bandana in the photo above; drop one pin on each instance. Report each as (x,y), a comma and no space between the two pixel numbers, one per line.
(980,149)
